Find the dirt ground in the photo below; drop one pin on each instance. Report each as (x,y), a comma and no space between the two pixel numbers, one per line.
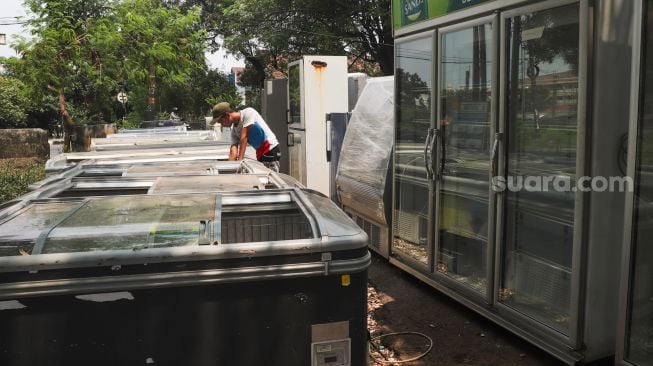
(400,303)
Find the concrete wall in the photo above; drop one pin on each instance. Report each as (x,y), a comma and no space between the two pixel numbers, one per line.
(24,143)
(81,139)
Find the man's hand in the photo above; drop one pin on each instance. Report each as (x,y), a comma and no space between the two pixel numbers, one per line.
(233,152)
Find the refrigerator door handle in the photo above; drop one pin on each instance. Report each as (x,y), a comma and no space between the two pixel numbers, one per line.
(495,148)
(427,154)
(494,157)
(435,143)
(328,138)
(290,139)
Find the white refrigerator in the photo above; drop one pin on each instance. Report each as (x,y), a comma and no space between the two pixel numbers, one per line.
(317,85)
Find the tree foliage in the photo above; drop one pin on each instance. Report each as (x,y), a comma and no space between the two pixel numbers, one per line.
(273,32)
(13,103)
(81,53)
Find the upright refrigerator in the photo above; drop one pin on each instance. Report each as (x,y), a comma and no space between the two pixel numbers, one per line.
(317,85)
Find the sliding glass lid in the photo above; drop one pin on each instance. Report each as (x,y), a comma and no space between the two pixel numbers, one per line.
(156,221)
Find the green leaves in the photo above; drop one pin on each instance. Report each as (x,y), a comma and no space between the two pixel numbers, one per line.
(16,175)
(275,31)
(13,103)
(88,47)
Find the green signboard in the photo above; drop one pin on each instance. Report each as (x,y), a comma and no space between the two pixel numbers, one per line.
(406,12)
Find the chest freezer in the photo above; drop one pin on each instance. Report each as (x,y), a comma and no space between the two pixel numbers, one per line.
(249,278)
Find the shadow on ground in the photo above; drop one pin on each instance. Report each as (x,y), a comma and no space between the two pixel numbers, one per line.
(401,303)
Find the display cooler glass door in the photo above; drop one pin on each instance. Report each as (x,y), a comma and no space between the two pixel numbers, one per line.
(541,127)
(637,327)
(466,132)
(413,138)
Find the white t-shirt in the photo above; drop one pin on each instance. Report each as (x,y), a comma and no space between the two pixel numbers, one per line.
(260,135)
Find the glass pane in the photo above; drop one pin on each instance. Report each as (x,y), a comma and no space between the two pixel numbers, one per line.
(541,131)
(131,222)
(18,234)
(465,124)
(294,94)
(414,72)
(297,154)
(639,337)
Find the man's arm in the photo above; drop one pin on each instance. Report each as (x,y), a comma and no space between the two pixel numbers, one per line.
(233,152)
(243,143)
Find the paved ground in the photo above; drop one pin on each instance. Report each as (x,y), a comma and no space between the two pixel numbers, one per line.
(460,336)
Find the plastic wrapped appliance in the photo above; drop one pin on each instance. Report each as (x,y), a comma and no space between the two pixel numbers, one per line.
(362,180)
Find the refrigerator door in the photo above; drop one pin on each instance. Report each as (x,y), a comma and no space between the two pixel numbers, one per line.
(413,140)
(541,134)
(463,210)
(297,154)
(296,95)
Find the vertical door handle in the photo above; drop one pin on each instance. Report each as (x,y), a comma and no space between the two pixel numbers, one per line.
(495,153)
(427,154)
(328,137)
(494,158)
(435,143)
(290,139)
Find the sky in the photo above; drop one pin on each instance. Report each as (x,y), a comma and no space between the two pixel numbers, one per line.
(14,8)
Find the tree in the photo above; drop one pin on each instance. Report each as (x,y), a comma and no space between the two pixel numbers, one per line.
(65,53)
(204,90)
(161,47)
(285,29)
(84,52)
(12,103)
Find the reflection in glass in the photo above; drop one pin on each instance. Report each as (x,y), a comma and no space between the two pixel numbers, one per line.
(465,124)
(297,155)
(294,94)
(639,336)
(132,222)
(19,234)
(541,140)
(414,73)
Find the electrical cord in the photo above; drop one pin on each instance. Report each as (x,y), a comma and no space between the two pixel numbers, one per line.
(372,339)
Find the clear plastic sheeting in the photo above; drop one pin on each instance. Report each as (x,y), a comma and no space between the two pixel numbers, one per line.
(366,151)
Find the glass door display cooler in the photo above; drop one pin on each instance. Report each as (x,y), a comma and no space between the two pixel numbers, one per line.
(504,111)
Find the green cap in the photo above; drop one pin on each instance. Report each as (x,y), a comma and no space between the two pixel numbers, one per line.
(221,109)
